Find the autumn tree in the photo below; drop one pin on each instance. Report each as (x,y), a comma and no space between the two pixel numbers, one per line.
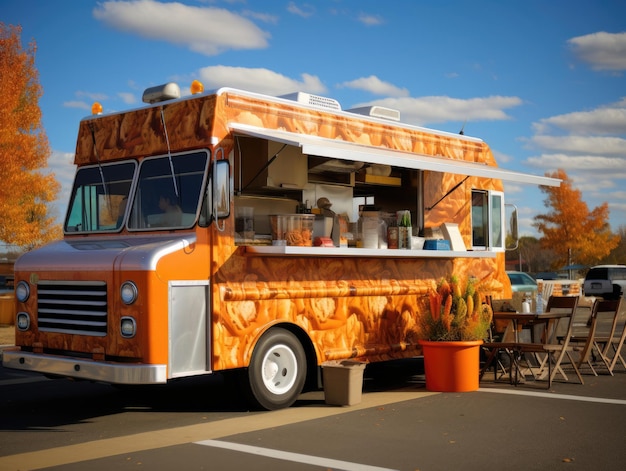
(618,254)
(569,226)
(24,150)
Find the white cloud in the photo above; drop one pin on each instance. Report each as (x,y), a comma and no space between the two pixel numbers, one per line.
(609,120)
(591,147)
(258,80)
(305,10)
(602,50)
(440,109)
(589,163)
(376,86)
(581,145)
(205,30)
(264,17)
(370,20)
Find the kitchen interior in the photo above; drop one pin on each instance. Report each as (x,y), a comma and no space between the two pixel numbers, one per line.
(361,203)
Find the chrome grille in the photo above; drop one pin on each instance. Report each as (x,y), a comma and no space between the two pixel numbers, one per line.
(72,307)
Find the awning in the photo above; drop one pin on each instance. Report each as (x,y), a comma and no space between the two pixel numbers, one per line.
(336,149)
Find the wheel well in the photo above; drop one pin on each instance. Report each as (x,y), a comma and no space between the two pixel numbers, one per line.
(313,376)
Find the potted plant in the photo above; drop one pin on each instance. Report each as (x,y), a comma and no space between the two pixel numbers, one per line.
(453,326)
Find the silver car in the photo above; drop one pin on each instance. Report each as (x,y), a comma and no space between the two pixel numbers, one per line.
(605,281)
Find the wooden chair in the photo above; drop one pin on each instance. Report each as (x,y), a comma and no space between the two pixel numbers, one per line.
(555,346)
(593,343)
(616,343)
(493,348)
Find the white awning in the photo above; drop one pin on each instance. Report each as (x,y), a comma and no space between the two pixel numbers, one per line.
(336,149)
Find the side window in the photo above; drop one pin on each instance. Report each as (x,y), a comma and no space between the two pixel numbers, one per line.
(617,274)
(488,220)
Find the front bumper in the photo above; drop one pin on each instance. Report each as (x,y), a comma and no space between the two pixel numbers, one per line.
(103,371)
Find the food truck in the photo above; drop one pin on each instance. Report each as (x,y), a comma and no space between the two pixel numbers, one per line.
(234,232)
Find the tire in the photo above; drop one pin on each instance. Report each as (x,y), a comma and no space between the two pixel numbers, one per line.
(277,370)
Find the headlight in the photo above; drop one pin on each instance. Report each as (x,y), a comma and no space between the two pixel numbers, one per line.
(128,327)
(128,292)
(22,321)
(22,291)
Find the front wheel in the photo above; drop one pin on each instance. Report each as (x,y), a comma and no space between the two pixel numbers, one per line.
(277,370)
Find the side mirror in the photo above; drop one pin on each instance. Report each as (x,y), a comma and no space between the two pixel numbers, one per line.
(216,203)
(221,189)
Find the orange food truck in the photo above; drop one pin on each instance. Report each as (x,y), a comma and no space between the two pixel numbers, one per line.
(230,231)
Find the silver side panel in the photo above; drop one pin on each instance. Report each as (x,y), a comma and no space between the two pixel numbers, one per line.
(103,371)
(189,329)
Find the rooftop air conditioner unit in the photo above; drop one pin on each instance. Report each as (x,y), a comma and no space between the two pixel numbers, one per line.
(376,111)
(313,100)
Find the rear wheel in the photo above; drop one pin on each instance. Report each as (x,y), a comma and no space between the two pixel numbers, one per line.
(277,370)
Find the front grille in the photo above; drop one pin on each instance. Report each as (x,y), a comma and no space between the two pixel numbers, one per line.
(72,307)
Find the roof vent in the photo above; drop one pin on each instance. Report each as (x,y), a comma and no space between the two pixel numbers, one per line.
(313,100)
(377,112)
(169,91)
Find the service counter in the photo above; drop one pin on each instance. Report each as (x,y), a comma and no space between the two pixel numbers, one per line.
(283,250)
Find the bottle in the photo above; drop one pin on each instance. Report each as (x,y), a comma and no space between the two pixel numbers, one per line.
(404,229)
(539,303)
(392,236)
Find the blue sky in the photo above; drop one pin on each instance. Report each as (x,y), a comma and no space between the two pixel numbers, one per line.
(542,82)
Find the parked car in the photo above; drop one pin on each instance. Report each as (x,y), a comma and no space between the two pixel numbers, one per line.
(521,281)
(606,281)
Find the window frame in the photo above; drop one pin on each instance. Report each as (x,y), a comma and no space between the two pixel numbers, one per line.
(491,220)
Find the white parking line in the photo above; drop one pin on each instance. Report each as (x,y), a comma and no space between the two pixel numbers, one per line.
(567,397)
(295,457)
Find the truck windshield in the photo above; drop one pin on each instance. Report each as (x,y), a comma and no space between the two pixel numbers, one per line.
(99,197)
(168,191)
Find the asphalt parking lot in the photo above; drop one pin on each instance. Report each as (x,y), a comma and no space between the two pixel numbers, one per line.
(398,425)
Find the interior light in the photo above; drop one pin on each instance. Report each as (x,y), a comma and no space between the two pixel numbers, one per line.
(196,87)
(96,108)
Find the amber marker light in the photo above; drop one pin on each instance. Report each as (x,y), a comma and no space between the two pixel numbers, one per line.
(96,108)
(196,87)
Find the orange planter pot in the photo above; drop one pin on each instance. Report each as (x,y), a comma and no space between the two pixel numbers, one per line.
(451,366)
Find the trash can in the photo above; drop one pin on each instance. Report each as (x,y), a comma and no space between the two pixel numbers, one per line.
(343,382)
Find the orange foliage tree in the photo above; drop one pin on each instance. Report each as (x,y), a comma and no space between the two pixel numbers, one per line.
(24,150)
(571,227)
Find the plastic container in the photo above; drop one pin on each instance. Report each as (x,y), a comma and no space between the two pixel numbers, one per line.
(292,229)
(244,222)
(370,222)
(343,382)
